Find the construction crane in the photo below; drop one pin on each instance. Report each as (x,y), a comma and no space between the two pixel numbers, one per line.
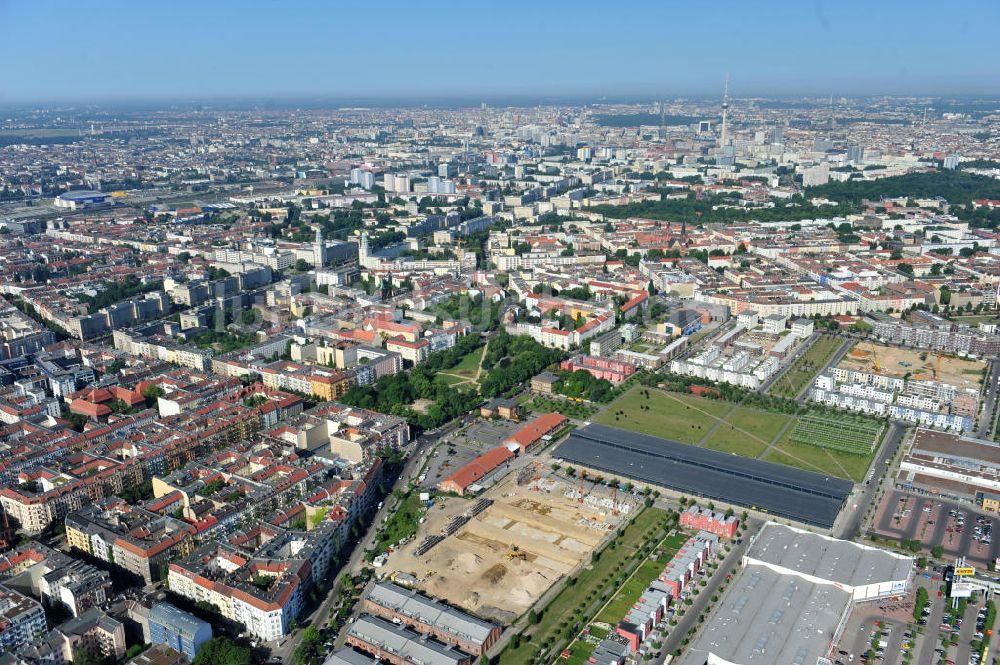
(614,500)
(875,363)
(579,495)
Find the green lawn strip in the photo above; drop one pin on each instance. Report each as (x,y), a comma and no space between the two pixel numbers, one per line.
(678,417)
(565,606)
(763,425)
(402,524)
(634,587)
(468,365)
(579,652)
(806,367)
(819,460)
(598,633)
(726,440)
(453,380)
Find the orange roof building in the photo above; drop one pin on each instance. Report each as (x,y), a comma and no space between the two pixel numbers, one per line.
(476,470)
(532,432)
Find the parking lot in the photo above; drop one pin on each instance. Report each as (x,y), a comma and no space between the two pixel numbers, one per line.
(958,529)
(462,447)
(942,633)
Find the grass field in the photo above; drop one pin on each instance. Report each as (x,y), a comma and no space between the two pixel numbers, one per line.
(451,380)
(800,374)
(750,432)
(464,373)
(402,524)
(468,365)
(683,418)
(724,441)
(846,434)
(650,569)
(820,460)
(761,424)
(566,605)
(579,653)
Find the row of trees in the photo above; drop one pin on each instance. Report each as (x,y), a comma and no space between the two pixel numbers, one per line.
(512,360)
(114,292)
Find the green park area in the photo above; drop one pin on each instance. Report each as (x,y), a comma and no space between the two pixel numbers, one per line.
(842,445)
(816,458)
(403,524)
(683,418)
(634,587)
(806,367)
(562,619)
(464,374)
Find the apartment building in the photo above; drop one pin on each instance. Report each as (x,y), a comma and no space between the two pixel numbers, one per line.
(430,617)
(22,619)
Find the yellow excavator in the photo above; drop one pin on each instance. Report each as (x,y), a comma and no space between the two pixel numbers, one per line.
(515,553)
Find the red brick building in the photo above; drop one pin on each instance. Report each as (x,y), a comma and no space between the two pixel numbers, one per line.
(703,519)
(614,371)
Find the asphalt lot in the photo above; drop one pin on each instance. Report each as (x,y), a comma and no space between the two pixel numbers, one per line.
(927,519)
(895,617)
(462,447)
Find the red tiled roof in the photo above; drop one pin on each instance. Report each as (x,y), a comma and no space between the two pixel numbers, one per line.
(478,468)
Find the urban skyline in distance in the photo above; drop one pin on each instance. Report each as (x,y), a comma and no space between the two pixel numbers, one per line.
(512,333)
(430,51)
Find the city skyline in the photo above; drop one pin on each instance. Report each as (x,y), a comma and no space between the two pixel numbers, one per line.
(432,51)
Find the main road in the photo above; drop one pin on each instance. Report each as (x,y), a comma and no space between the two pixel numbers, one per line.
(318,617)
(697,607)
(849,523)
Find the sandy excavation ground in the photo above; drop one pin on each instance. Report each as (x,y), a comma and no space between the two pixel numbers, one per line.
(919,364)
(472,569)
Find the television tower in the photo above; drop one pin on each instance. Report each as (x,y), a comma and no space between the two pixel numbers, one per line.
(724,137)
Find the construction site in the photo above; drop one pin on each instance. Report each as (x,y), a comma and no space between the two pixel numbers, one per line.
(902,363)
(495,555)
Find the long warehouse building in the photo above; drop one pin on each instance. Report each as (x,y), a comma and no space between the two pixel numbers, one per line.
(790,601)
(782,491)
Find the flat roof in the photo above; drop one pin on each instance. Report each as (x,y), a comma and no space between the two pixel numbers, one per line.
(786,604)
(82,194)
(348,657)
(768,618)
(838,561)
(784,491)
(953,445)
(407,644)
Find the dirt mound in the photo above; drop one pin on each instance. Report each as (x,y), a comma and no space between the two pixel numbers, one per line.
(495,573)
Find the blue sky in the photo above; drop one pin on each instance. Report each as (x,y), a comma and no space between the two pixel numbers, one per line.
(371,49)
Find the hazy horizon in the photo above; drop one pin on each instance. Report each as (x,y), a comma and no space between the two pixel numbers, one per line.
(254,50)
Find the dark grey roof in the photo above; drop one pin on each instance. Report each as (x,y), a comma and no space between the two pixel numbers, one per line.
(779,490)
(682,318)
(348,657)
(408,645)
(445,618)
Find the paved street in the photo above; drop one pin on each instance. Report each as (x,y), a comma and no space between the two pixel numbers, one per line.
(985,429)
(787,363)
(691,614)
(849,524)
(411,469)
